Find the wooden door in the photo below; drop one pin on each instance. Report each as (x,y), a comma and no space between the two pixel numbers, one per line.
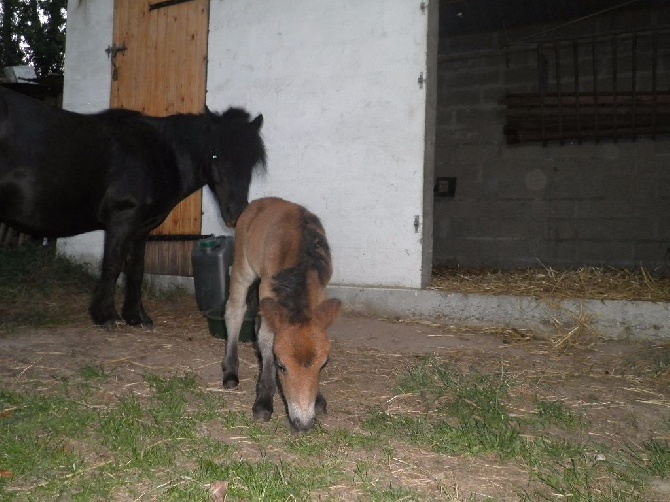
(159,67)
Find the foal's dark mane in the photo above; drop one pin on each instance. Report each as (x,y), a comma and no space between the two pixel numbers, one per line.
(290,285)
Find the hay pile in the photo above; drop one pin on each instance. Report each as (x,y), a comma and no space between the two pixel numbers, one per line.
(597,283)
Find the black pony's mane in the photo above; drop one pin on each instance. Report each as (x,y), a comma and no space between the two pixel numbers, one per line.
(234,114)
(118,114)
(290,285)
(243,144)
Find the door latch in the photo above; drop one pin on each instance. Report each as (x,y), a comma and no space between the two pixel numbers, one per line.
(421,80)
(112,52)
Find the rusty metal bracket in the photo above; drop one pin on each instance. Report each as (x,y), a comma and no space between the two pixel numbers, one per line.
(421,80)
(112,51)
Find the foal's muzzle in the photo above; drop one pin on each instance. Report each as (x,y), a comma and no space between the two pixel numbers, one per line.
(302,426)
(302,419)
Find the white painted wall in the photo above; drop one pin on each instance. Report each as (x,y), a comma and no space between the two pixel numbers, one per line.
(345,119)
(87,89)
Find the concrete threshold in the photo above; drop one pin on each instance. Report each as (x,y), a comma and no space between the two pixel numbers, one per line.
(612,319)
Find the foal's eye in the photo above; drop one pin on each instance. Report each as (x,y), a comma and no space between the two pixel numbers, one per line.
(280,366)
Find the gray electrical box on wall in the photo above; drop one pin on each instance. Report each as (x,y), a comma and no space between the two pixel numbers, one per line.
(445,186)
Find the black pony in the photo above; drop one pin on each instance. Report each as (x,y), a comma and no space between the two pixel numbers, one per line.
(64,173)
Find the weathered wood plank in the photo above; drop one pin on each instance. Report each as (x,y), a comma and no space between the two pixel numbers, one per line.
(164,72)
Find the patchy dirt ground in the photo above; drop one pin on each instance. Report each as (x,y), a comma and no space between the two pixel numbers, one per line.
(621,388)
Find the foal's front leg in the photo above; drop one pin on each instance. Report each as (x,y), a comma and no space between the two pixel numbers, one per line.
(267,381)
(235,309)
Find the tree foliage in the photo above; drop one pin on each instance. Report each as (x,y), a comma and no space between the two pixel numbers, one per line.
(33,32)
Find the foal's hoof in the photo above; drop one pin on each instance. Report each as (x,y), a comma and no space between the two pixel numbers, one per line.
(320,405)
(262,410)
(230,382)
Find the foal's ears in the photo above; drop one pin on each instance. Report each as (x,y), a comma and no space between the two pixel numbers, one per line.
(258,122)
(327,312)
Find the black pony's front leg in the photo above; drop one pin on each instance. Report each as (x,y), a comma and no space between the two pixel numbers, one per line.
(133,309)
(103,311)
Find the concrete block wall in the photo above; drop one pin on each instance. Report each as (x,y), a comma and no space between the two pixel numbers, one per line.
(599,204)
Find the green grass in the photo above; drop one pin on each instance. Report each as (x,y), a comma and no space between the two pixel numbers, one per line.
(35,435)
(555,412)
(151,444)
(30,276)
(57,445)
(657,457)
(266,480)
(467,414)
(81,443)
(38,270)
(321,442)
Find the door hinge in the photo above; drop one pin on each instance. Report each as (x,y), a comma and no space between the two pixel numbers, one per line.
(422,6)
(166,3)
(421,80)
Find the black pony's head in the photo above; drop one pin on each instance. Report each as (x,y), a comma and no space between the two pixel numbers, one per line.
(236,150)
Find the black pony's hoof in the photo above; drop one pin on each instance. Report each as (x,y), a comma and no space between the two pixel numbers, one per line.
(141,323)
(105,317)
(138,319)
(262,410)
(111,325)
(108,322)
